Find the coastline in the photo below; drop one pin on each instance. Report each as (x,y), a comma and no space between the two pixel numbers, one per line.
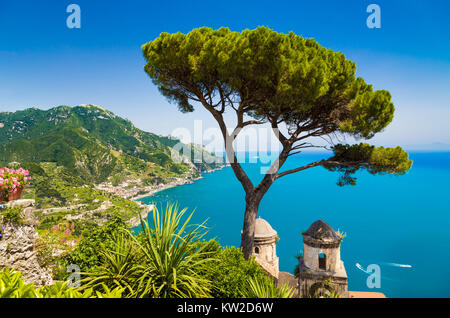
(149,207)
(172,184)
(136,221)
(165,186)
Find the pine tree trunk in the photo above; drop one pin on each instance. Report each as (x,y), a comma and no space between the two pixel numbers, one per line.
(248,232)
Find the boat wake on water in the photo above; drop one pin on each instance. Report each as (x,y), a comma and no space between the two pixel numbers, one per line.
(398,265)
(358,265)
(384,277)
(386,264)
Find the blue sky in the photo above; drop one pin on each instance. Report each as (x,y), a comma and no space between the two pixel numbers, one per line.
(43,63)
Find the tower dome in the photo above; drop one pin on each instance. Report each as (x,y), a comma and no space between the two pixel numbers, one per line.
(263,230)
(321,231)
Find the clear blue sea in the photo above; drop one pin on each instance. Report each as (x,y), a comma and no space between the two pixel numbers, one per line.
(389,220)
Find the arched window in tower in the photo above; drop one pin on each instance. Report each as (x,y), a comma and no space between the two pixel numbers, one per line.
(256,250)
(322,261)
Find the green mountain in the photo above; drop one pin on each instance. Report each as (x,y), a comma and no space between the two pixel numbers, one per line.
(95,145)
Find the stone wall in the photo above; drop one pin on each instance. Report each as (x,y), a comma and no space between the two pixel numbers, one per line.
(267,257)
(317,286)
(332,258)
(17,246)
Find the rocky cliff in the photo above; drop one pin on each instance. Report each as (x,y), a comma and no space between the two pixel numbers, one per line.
(17,246)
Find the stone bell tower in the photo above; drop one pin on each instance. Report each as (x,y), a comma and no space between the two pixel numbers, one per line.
(321,271)
(264,250)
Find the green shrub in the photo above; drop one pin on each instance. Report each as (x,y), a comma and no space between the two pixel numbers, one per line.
(12,285)
(61,290)
(230,271)
(86,254)
(12,215)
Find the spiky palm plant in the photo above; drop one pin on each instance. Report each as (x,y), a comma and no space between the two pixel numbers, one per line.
(266,288)
(118,268)
(172,262)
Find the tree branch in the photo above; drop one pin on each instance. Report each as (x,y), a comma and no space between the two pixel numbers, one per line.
(311,165)
(231,154)
(252,122)
(283,140)
(321,163)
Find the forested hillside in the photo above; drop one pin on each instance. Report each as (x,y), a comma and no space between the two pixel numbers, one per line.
(92,143)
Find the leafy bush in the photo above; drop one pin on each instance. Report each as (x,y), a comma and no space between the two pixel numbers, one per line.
(230,271)
(12,215)
(86,254)
(61,290)
(13,286)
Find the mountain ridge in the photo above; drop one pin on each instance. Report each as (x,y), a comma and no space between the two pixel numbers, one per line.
(94,143)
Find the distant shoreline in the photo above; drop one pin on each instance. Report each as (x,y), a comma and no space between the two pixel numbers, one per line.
(164,187)
(172,184)
(135,222)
